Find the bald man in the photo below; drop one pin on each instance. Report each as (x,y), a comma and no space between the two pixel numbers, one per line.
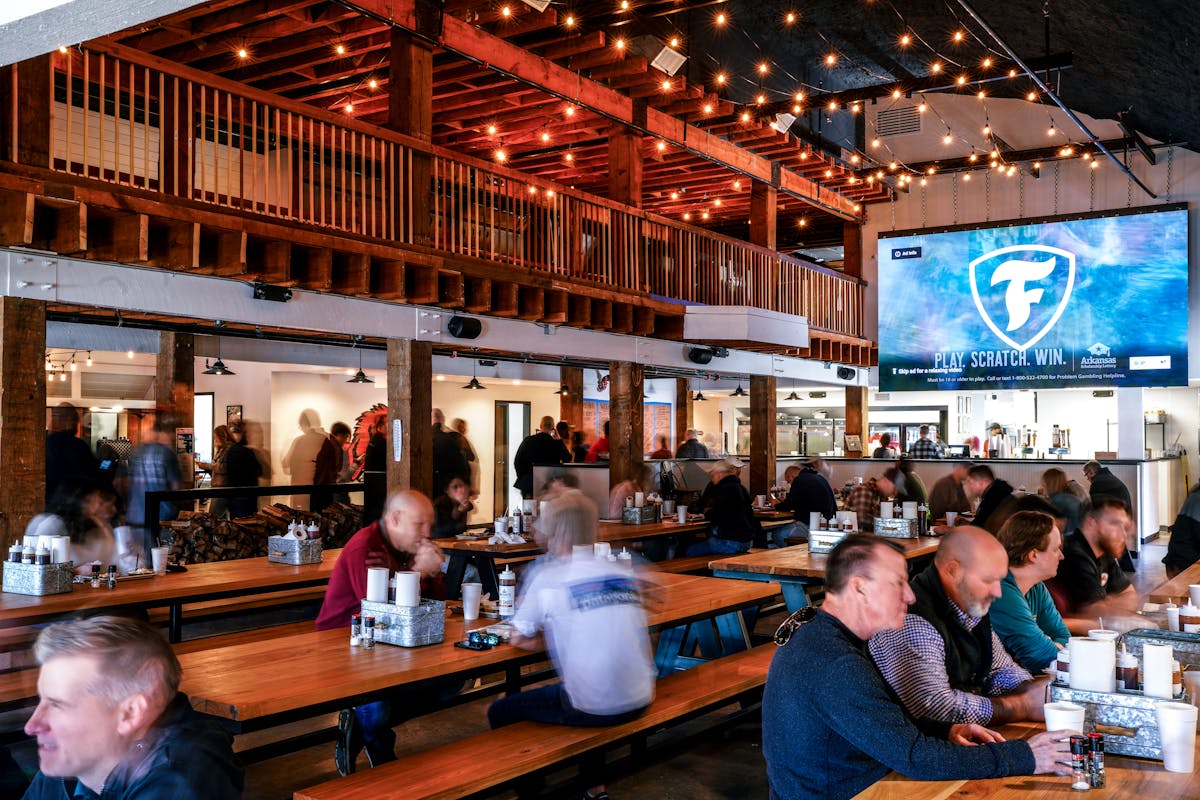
(946,663)
(399,541)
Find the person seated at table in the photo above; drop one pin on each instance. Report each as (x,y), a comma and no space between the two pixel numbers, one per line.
(865,497)
(663,450)
(1183,549)
(452,509)
(84,510)
(983,486)
(1024,616)
(808,492)
(1090,583)
(1015,503)
(1056,489)
(831,725)
(592,615)
(729,510)
(947,493)
(627,489)
(399,540)
(946,663)
(909,486)
(111,721)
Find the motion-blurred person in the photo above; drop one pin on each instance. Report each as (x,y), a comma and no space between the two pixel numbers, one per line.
(592,616)
(1184,548)
(217,506)
(664,449)
(154,467)
(242,468)
(67,456)
(948,493)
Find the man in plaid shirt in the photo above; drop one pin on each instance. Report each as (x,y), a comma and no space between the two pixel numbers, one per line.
(865,497)
(924,447)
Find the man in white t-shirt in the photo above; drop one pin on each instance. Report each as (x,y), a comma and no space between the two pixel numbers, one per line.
(591,614)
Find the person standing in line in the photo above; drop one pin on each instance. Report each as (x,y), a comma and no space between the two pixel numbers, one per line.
(448,459)
(925,447)
(375,471)
(579,447)
(153,467)
(67,455)
(242,468)
(538,449)
(599,449)
(664,449)
(459,426)
(330,462)
(217,506)
(691,446)
(885,447)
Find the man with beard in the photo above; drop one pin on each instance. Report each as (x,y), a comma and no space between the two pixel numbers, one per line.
(1090,582)
(946,663)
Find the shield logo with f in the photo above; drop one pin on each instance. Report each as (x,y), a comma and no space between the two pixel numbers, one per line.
(1022,290)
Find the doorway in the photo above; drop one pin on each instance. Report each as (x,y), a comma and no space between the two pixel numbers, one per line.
(513,422)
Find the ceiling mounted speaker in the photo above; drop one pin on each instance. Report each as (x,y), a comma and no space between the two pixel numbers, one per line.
(699,355)
(846,373)
(464,327)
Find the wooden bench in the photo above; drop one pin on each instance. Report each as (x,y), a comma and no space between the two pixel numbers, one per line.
(691,565)
(491,759)
(18,689)
(230,606)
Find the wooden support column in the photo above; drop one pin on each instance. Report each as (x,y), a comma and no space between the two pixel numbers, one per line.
(176,143)
(570,405)
(410,402)
(175,389)
(856,417)
(764,203)
(762,433)
(852,255)
(22,413)
(624,165)
(626,425)
(410,111)
(34,93)
(684,410)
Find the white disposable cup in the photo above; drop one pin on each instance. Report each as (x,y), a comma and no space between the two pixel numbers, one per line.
(601,549)
(1194,592)
(1191,685)
(470,599)
(501,525)
(159,559)
(668,507)
(1177,730)
(951,516)
(1172,617)
(1064,716)
(760,500)
(1106,635)
(582,552)
(682,511)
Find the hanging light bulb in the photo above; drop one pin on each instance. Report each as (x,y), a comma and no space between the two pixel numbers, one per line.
(89,358)
(218,367)
(360,376)
(474,382)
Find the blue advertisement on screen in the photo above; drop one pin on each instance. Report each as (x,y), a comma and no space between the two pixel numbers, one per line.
(1087,302)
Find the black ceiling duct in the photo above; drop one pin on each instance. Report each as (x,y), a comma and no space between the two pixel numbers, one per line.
(699,355)
(846,373)
(464,327)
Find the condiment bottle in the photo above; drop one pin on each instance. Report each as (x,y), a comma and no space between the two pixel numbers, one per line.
(27,554)
(42,556)
(14,553)
(356,630)
(313,531)
(1127,670)
(112,576)
(1096,764)
(95,576)
(625,559)
(368,632)
(1176,679)
(1063,665)
(1079,764)
(507,604)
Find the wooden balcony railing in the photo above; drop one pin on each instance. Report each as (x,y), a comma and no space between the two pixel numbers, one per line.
(125,118)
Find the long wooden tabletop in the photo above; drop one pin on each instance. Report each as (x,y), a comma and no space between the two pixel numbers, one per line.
(1177,588)
(608,531)
(200,582)
(1125,778)
(257,681)
(797,562)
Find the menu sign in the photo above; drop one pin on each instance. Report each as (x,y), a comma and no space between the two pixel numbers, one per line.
(1101,301)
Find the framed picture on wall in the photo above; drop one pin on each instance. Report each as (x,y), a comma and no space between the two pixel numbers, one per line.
(233,414)
(853,443)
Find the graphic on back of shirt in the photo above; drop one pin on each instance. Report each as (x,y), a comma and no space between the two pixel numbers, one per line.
(590,594)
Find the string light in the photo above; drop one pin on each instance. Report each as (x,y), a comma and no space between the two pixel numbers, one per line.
(1012,73)
(745,116)
(905,40)
(720,78)
(506,11)
(62,49)
(569,156)
(242,53)
(501,156)
(830,59)
(947,139)
(675,42)
(987,62)
(1032,96)
(895,94)
(661,146)
(803,222)
(687,216)
(958,36)
(619,43)
(545,136)
(624,5)
(708,108)
(491,130)
(569,21)
(961,80)
(340,49)
(789,18)
(349,108)
(666,86)
(1051,130)
(703,215)
(921,108)
(373,84)
(935,67)
(720,18)
(762,98)
(966,176)
(875,142)
(762,68)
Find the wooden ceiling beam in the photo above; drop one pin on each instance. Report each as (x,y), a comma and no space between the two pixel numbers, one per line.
(203,20)
(261,39)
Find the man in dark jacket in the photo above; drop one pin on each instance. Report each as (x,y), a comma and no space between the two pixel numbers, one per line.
(448,459)
(67,456)
(691,446)
(809,492)
(111,721)
(538,449)
(983,484)
(728,509)
(832,726)
(1105,484)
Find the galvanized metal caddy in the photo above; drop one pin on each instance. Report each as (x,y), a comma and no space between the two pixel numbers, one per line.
(282,550)
(408,626)
(1126,718)
(897,528)
(38,579)
(824,541)
(1185,645)
(640,516)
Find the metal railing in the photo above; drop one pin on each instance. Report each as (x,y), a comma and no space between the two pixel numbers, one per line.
(128,119)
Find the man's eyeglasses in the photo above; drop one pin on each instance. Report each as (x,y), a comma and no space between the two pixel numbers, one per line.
(783,634)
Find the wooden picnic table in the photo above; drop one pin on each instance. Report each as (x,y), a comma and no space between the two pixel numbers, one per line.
(483,556)
(1177,588)
(210,581)
(794,568)
(260,684)
(1124,777)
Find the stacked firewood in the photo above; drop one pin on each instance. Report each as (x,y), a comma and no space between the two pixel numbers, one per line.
(197,537)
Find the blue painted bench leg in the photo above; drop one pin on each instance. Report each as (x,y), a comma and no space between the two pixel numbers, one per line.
(793,595)
(670,642)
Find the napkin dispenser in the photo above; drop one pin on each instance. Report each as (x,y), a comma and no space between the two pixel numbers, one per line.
(644,515)
(897,528)
(286,550)
(1126,718)
(408,626)
(824,541)
(38,579)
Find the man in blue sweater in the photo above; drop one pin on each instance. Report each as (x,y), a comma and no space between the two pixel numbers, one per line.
(832,726)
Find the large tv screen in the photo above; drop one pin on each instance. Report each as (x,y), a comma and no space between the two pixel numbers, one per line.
(1101,301)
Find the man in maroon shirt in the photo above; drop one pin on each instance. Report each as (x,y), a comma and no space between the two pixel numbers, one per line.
(398,541)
